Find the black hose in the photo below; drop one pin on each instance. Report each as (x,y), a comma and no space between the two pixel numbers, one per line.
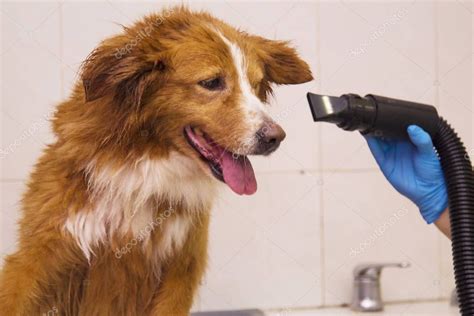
(460,182)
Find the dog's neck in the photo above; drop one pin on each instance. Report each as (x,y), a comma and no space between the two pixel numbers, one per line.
(126,198)
(176,179)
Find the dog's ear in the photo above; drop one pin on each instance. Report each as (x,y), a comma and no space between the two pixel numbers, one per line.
(282,63)
(122,76)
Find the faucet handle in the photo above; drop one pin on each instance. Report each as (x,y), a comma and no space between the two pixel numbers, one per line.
(373,270)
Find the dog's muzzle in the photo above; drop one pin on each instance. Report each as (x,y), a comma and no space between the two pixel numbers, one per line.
(269,137)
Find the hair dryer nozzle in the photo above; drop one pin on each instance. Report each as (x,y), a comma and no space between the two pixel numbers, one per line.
(325,108)
(349,111)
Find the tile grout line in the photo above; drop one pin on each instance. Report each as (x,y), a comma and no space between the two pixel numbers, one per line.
(270,172)
(322,251)
(61,52)
(437,105)
(12,180)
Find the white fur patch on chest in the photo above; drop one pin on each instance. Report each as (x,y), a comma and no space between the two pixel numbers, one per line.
(123,200)
(174,233)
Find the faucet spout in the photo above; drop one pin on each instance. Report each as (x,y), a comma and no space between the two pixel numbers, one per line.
(366,294)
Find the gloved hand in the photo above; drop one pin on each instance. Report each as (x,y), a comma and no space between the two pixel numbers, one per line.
(413,168)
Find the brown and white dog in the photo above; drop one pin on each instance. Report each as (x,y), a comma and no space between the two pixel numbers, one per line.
(115,218)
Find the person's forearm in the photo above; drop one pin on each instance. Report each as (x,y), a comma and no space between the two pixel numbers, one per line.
(443,223)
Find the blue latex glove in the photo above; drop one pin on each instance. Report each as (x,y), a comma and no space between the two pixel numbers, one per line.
(413,168)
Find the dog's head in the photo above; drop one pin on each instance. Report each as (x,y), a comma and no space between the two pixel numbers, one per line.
(188,82)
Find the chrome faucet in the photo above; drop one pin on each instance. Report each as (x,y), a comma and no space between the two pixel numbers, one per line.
(366,294)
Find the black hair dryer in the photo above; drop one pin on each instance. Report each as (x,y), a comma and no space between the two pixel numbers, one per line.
(389,118)
(373,115)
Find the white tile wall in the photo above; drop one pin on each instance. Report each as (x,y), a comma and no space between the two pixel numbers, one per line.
(367,221)
(361,52)
(10,193)
(267,247)
(321,199)
(30,82)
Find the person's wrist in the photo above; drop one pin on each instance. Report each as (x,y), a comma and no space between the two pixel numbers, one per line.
(433,205)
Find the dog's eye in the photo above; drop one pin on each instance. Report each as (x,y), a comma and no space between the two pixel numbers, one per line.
(213,84)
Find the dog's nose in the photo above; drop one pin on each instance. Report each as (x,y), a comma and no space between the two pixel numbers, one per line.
(269,136)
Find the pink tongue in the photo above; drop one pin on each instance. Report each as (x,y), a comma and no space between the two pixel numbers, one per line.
(238,173)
